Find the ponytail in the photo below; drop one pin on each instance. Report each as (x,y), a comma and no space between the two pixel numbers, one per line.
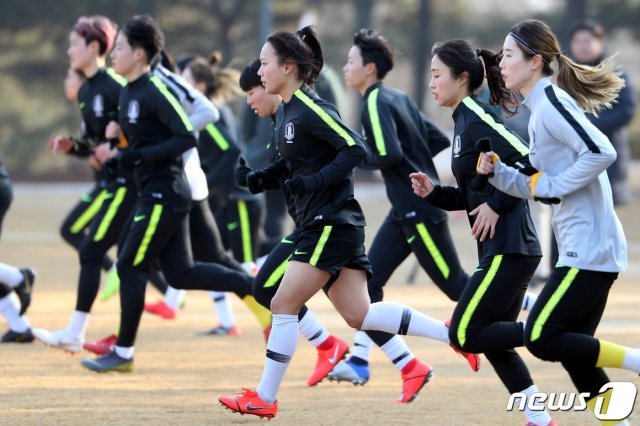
(593,88)
(301,48)
(221,84)
(499,95)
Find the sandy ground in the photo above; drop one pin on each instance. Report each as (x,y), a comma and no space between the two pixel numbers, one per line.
(179,375)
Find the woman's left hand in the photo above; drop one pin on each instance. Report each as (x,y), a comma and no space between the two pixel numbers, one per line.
(485,223)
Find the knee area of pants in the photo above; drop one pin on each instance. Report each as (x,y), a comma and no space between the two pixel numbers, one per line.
(541,349)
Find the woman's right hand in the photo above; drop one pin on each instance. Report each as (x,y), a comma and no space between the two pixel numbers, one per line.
(59,143)
(112,131)
(421,184)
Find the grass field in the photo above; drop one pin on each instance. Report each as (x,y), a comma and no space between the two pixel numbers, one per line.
(179,375)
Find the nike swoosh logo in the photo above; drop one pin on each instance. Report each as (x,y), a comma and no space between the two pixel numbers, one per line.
(299,252)
(250,408)
(334,358)
(233,225)
(139,218)
(285,241)
(410,239)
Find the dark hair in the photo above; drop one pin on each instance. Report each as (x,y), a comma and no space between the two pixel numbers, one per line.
(593,88)
(143,32)
(301,48)
(166,60)
(463,58)
(97,28)
(595,28)
(249,77)
(219,82)
(374,49)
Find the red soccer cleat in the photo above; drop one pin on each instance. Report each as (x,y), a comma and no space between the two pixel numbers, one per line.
(415,375)
(161,309)
(102,346)
(472,359)
(330,353)
(248,402)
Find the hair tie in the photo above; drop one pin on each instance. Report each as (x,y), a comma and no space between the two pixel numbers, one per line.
(528,47)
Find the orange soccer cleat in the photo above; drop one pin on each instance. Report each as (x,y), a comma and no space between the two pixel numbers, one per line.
(415,375)
(472,359)
(161,309)
(330,353)
(249,402)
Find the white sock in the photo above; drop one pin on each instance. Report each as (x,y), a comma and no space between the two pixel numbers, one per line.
(398,352)
(223,309)
(631,360)
(396,318)
(312,330)
(125,352)
(535,417)
(172,297)
(10,310)
(78,324)
(280,349)
(10,275)
(528,301)
(362,344)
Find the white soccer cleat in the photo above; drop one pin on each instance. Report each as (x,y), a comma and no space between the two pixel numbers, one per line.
(60,339)
(348,372)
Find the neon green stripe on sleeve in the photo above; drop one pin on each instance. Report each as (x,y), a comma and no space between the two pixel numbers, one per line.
(217,137)
(173,101)
(325,117)
(513,140)
(374,117)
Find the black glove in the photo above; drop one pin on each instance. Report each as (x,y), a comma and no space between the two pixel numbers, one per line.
(254,182)
(130,159)
(302,185)
(242,172)
(111,167)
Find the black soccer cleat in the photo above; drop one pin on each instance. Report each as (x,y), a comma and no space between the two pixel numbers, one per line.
(15,337)
(25,288)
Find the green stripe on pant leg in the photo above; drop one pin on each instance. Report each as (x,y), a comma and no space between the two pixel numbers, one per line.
(148,234)
(110,214)
(477,296)
(320,246)
(245,231)
(552,303)
(433,250)
(83,220)
(277,274)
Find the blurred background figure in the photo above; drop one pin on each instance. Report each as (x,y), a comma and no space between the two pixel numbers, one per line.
(587,45)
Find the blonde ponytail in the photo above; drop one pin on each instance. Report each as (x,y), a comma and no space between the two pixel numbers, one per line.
(593,88)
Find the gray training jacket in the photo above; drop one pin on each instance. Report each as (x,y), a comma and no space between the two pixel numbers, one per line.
(572,156)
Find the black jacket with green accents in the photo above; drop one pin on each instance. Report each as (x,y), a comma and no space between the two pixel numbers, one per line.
(157,127)
(98,102)
(219,151)
(318,153)
(401,140)
(515,232)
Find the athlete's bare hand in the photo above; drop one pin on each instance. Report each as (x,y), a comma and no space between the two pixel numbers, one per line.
(104,151)
(59,143)
(486,163)
(421,184)
(485,223)
(112,131)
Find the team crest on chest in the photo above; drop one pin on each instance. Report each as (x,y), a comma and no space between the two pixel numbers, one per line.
(457,146)
(133,111)
(98,105)
(289,132)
